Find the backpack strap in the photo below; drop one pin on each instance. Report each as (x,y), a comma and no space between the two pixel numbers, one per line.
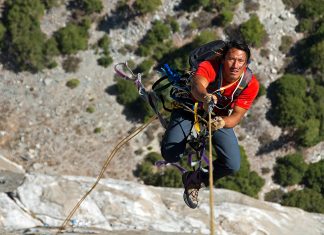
(244,82)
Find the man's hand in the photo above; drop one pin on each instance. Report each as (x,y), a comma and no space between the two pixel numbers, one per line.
(208,99)
(217,123)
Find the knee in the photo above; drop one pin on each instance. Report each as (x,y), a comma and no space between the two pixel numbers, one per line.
(169,154)
(234,167)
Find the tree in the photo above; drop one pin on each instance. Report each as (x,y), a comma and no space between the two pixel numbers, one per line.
(72,38)
(25,42)
(253,31)
(289,170)
(144,7)
(306,199)
(244,181)
(314,177)
(90,6)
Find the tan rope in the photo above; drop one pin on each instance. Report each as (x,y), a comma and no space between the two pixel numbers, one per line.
(211,183)
(108,159)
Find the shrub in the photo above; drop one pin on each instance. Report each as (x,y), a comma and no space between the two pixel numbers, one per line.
(2,33)
(97,130)
(143,7)
(73,83)
(72,38)
(308,133)
(307,199)
(145,67)
(26,41)
(225,17)
(244,181)
(262,90)
(154,37)
(71,64)
(127,95)
(90,109)
(105,61)
(287,96)
(292,3)
(314,177)
(289,170)
(253,31)
(286,42)
(251,5)
(90,6)
(193,5)
(50,3)
(274,196)
(168,177)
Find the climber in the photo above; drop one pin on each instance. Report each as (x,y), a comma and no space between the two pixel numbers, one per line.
(230,86)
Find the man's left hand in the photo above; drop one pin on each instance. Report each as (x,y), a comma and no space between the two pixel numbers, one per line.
(217,123)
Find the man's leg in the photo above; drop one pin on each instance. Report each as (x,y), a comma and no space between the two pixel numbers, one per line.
(228,153)
(175,138)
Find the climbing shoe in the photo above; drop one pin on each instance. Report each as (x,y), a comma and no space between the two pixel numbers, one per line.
(192,183)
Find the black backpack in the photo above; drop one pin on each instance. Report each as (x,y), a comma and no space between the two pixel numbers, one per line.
(207,51)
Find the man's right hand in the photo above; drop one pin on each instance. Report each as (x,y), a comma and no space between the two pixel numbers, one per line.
(209,99)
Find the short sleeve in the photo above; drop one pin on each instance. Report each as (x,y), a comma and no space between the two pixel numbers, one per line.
(207,70)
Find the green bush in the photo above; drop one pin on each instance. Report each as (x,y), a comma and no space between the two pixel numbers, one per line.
(71,64)
(314,177)
(154,38)
(90,109)
(315,56)
(105,61)
(2,33)
(50,3)
(244,181)
(286,42)
(292,3)
(193,5)
(26,43)
(262,90)
(143,7)
(89,6)
(225,17)
(297,106)
(97,130)
(145,67)
(289,170)
(274,196)
(127,95)
(72,38)
(253,31)
(308,133)
(287,96)
(307,199)
(73,83)
(126,92)
(167,177)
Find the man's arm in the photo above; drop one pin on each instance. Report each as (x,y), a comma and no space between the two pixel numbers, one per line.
(199,86)
(235,118)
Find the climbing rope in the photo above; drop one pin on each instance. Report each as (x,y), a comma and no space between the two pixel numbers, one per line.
(211,183)
(108,159)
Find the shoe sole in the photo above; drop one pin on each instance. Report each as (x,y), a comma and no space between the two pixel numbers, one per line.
(190,205)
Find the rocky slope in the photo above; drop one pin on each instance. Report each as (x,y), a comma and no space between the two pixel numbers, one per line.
(118,205)
(45,130)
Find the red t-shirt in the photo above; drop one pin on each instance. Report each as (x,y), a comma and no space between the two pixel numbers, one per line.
(209,69)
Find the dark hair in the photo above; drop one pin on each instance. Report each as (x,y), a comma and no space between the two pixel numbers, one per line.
(238,45)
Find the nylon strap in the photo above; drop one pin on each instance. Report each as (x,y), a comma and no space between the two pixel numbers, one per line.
(196,125)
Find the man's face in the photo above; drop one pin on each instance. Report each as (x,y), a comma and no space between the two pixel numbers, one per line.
(235,63)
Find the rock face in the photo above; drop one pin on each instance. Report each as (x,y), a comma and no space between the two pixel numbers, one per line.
(117,205)
(11,175)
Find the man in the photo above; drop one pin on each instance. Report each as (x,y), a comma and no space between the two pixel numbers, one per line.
(228,71)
